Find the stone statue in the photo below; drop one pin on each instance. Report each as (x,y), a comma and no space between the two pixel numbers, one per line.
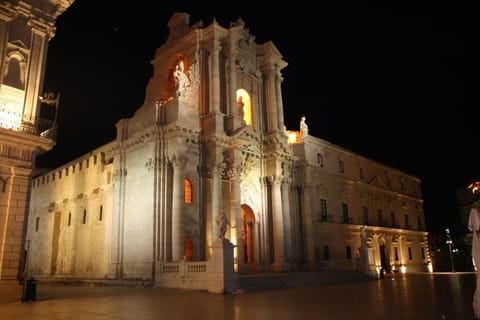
(181,80)
(222,223)
(303,128)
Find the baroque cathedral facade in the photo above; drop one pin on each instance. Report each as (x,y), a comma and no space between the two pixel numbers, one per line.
(209,141)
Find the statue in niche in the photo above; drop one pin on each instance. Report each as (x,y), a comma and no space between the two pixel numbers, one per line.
(222,224)
(303,128)
(240,106)
(181,80)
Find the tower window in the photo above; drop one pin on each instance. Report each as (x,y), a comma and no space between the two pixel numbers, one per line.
(320,159)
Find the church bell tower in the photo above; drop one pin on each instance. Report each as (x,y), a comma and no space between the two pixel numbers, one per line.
(25,29)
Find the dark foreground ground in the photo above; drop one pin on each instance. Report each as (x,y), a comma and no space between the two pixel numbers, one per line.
(303,296)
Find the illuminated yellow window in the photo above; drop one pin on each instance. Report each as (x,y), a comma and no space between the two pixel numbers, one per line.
(244,106)
(187,187)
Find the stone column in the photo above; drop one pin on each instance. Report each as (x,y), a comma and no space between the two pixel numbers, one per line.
(287,221)
(272,101)
(236,218)
(178,229)
(277,225)
(279,101)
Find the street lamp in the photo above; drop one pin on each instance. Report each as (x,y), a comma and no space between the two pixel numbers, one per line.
(450,244)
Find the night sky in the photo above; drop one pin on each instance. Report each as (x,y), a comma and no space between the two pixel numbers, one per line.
(387,80)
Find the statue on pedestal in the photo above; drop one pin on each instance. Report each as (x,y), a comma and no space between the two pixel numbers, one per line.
(222,223)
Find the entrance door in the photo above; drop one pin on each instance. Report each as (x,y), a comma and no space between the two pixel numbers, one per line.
(248,236)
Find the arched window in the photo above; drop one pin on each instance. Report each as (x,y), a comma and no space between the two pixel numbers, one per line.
(14,72)
(187,189)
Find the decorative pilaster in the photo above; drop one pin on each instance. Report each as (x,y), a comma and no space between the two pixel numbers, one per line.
(215,77)
(308,248)
(178,229)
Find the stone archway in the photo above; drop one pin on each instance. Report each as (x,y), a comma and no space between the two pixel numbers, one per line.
(248,236)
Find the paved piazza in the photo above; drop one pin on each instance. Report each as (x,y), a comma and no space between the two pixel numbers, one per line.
(275,297)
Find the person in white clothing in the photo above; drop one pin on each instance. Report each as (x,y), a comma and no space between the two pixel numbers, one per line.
(474,226)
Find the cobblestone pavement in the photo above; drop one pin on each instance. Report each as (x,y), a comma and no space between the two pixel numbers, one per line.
(305,296)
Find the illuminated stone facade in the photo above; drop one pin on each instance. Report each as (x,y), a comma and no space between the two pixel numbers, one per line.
(25,29)
(210,138)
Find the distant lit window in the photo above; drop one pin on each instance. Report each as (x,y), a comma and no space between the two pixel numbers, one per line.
(187,187)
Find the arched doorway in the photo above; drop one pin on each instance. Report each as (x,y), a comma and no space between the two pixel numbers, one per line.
(248,236)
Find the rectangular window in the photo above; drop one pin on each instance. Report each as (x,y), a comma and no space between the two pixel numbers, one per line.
(365,215)
(349,252)
(69,218)
(326,253)
(396,253)
(380,217)
(409,253)
(345,212)
(84,220)
(407,226)
(392,218)
(100,215)
(423,253)
(342,166)
(37,223)
(323,209)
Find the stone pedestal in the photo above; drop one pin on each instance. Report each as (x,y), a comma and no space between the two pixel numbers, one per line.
(10,291)
(223,273)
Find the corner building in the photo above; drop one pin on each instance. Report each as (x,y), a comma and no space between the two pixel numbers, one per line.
(210,138)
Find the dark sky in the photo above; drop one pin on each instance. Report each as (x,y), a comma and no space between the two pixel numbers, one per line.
(390,80)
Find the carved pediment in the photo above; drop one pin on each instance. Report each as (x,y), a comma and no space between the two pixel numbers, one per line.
(378,182)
